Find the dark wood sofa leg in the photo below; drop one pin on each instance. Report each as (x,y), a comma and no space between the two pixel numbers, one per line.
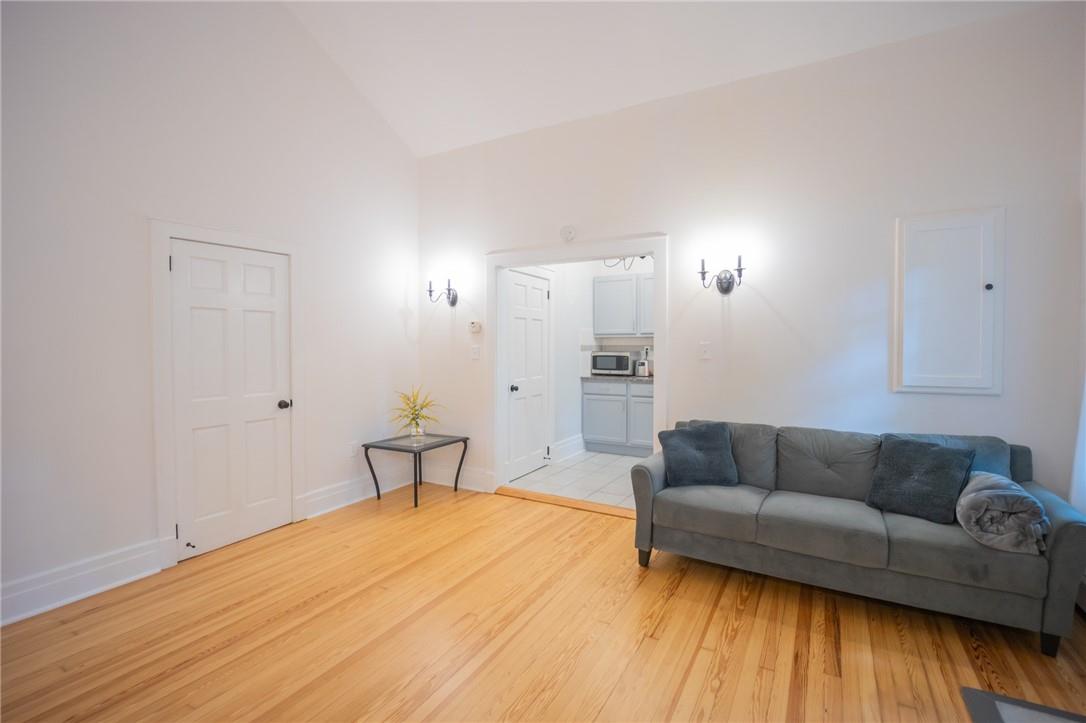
(1050,644)
(643,559)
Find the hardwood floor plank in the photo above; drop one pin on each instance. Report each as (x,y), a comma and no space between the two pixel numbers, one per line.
(484,607)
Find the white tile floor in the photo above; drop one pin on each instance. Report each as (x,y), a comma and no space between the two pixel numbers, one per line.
(590,476)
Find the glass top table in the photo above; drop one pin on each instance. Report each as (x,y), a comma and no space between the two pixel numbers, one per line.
(415,445)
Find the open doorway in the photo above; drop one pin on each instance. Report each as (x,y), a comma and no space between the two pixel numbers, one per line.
(578,368)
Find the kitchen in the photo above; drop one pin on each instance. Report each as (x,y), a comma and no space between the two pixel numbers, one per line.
(600,378)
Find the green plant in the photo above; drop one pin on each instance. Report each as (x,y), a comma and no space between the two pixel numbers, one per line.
(413,409)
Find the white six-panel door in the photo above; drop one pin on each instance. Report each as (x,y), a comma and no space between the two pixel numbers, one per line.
(231,368)
(528,355)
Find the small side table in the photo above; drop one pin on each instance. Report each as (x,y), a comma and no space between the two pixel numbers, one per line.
(415,446)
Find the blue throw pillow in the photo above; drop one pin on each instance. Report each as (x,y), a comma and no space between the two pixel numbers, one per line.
(699,455)
(919,479)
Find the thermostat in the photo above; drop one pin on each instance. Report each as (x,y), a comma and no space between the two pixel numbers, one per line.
(475,327)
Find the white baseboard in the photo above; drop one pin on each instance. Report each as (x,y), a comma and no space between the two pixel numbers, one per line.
(475,479)
(43,591)
(566,448)
(340,494)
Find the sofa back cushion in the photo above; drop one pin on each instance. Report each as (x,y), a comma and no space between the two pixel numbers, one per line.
(826,462)
(992,454)
(754,447)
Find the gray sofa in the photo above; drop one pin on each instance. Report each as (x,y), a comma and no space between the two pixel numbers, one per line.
(798,513)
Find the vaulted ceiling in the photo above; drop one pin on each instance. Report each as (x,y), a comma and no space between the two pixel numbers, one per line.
(446,75)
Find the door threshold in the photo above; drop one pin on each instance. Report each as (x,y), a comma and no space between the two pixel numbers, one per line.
(585,505)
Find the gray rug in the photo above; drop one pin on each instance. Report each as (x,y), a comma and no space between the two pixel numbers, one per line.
(985,707)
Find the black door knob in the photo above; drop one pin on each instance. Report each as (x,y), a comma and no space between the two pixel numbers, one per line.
(514,388)
(284,404)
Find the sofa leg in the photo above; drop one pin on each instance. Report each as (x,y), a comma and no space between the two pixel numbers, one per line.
(1050,644)
(643,557)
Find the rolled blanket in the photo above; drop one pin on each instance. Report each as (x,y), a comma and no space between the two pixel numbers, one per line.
(999,513)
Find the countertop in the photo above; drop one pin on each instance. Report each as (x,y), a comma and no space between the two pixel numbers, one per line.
(617,378)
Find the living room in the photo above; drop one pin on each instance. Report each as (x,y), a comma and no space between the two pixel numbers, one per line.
(797,174)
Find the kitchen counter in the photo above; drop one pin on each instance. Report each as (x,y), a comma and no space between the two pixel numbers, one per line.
(617,378)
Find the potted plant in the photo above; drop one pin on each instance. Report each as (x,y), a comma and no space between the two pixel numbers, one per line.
(413,411)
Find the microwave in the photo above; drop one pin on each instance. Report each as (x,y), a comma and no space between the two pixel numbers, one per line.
(612,362)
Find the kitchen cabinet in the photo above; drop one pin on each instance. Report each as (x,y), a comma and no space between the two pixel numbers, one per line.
(622,305)
(645,288)
(616,416)
(639,421)
(603,419)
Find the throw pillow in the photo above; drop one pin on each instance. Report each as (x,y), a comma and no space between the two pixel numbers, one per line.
(919,479)
(699,455)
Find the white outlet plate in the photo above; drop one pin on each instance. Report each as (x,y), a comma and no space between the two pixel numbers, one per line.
(705,350)
(476,351)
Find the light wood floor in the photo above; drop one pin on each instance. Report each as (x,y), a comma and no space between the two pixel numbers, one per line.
(486,607)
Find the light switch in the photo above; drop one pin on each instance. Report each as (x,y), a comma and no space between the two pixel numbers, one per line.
(704,350)
(475,351)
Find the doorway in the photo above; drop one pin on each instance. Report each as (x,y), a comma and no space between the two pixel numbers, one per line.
(601,452)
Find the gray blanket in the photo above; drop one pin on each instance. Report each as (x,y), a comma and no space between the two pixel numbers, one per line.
(999,513)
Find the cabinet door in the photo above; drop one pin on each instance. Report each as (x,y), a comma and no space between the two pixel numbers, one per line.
(640,421)
(603,419)
(949,322)
(645,286)
(614,305)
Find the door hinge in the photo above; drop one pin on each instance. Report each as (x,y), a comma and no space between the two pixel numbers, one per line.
(176,531)
(548,293)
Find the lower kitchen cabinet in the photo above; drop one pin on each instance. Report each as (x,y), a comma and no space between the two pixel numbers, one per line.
(616,416)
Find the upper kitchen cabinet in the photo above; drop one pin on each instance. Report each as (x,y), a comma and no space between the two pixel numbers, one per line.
(645,284)
(622,305)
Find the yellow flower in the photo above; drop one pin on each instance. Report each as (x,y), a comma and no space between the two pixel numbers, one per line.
(413,408)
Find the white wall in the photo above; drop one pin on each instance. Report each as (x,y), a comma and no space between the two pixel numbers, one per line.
(803,172)
(1078,477)
(224,116)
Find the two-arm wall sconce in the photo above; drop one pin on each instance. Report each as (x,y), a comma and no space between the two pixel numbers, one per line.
(726,280)
(449,293)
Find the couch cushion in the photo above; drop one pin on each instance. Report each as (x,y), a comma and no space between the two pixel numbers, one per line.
(728,512)
(992,453)
(826,462)
(754,447)
(828,527)
(946,552)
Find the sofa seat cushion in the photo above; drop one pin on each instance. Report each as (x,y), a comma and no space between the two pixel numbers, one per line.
(947,552)
(727,512)
(831,528)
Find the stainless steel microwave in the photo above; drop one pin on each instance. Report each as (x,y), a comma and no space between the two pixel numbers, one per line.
(618,363)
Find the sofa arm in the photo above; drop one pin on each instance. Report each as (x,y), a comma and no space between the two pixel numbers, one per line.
(1066,555)
(648,479)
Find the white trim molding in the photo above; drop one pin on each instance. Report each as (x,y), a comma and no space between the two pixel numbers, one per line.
(43,591)
(566,448)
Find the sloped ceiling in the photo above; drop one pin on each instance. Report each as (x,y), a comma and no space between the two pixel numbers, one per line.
(447,75)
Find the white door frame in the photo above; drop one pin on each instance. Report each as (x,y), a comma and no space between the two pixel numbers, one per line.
(655,244)
(541,272)
(163,234)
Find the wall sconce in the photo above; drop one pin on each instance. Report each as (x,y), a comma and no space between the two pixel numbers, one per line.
(449,293)
(726,280)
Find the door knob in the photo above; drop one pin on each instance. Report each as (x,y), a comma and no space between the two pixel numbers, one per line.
(514,388)
(284,404)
